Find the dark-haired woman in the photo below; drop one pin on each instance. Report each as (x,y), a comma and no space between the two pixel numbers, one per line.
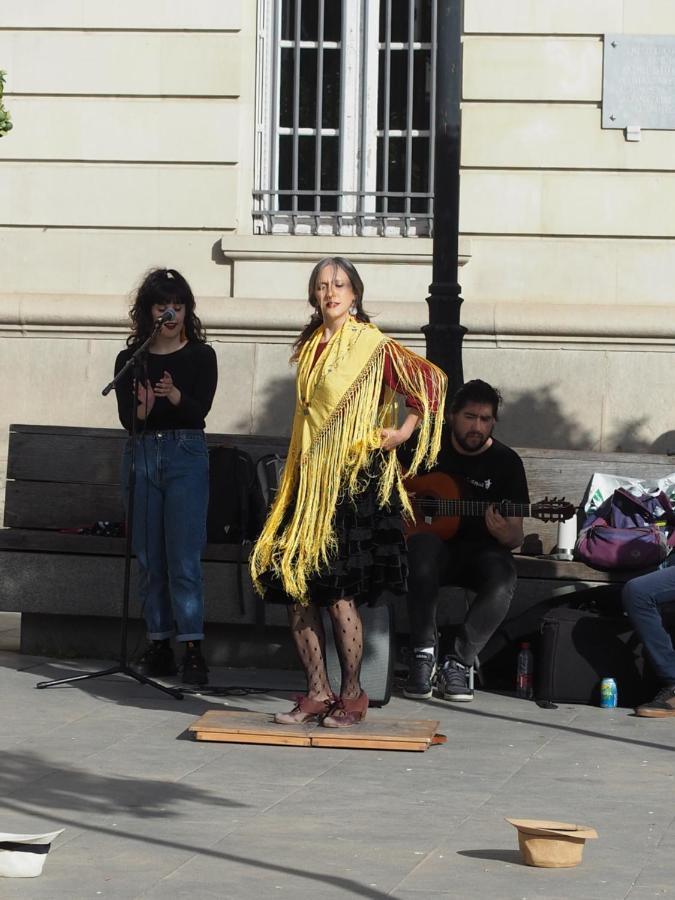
(173,397)
(334,536)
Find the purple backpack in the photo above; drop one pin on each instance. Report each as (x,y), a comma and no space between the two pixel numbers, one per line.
(627,532)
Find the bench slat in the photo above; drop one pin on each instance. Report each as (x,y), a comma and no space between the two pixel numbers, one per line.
(66,458)
(569,477)
(36,504)
(92,455)
(34,541)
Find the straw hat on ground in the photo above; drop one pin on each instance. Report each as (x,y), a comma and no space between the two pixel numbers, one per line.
(553,845)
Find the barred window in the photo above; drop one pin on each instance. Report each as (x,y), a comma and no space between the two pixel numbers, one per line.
(344,117)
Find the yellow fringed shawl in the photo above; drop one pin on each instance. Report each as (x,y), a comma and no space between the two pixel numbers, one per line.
(336,428)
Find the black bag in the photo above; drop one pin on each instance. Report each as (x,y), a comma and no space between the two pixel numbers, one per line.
(499,657)
(236,506)
(269,469)
(583,642)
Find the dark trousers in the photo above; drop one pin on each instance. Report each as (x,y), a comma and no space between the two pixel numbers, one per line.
(642,599)
(485,568)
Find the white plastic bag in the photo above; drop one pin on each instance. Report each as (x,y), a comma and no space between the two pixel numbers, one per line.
(602,486)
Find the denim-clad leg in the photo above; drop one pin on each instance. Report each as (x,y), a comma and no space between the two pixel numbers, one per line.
(148,536)
(642,598)
(169,531)
(186,493)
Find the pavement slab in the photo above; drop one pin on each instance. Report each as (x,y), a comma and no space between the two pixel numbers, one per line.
(151,814)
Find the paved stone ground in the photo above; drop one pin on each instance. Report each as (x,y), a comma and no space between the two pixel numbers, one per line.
(149,813)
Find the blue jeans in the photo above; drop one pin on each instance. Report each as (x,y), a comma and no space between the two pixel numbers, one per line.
(642,599)
(169,529)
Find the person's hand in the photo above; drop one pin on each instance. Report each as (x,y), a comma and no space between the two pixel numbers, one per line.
(391,438)
(166,388)
(146,400)
(497,525)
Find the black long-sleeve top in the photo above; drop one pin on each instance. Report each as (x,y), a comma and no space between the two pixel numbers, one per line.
(194,370)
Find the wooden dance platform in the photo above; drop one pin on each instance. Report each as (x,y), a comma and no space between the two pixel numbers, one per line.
(375,733)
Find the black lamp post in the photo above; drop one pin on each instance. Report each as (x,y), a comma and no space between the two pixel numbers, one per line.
(444,333)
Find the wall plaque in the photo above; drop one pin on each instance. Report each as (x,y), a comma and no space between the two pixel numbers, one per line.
(638,81)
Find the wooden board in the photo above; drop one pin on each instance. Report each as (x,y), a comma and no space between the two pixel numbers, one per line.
(376,733)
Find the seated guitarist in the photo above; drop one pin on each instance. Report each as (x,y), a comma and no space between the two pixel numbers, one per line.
(478,558)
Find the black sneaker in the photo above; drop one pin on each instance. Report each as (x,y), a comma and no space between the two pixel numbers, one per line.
(661,706)
(421,671)
(453,681)
(194,667)
(156,661)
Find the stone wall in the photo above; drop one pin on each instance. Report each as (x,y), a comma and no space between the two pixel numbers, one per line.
(133,146)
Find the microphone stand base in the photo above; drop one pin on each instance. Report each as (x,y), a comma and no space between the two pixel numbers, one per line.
(120,669)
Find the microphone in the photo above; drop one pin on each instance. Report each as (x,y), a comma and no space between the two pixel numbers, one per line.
(167,316)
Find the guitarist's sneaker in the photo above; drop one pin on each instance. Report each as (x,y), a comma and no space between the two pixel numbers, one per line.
(661,706)
(453,681)
(421,671)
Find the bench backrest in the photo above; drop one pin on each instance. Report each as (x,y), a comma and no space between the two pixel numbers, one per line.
(61,477)
(567,473)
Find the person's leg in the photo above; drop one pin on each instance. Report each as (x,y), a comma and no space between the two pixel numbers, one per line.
(427,555)
(490,571)
(185,476)
(348,635)
(149,547)
(642,598)
(428,562)
(310,642)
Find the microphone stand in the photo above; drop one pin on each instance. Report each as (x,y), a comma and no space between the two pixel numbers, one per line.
(135,361)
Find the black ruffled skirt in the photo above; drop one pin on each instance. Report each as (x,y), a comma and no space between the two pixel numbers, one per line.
(371,555)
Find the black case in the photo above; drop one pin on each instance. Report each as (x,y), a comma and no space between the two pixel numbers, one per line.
(578,647)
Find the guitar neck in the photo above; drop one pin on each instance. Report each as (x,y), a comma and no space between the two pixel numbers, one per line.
(440,507)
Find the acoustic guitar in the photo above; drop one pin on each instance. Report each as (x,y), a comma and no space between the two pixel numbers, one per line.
(439,506)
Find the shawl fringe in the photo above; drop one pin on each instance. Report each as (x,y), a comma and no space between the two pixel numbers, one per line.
(296,546)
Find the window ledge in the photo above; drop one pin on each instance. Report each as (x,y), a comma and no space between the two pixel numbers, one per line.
(310,248)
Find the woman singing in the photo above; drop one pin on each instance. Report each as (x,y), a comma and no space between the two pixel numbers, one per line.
(334,535)
(174,394)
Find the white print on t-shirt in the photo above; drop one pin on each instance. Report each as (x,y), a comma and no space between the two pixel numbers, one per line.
(481,484)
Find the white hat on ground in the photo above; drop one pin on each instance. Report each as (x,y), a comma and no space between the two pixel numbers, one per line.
(23,855)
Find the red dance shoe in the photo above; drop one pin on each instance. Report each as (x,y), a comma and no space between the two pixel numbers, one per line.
(345,712)
(305,710)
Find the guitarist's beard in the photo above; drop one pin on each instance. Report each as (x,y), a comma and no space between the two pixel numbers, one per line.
(472,441)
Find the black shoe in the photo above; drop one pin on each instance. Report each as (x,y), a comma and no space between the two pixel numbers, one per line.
(156,661)
(421,671)
(194,667)
(661,706)
(453,681)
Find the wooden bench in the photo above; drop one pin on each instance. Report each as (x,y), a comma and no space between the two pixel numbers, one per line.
(567,473)
(61,477)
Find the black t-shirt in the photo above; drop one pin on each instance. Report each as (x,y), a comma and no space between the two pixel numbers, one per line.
(194,370)
(496,474)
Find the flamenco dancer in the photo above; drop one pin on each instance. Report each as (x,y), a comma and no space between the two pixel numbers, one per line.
(334,535)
